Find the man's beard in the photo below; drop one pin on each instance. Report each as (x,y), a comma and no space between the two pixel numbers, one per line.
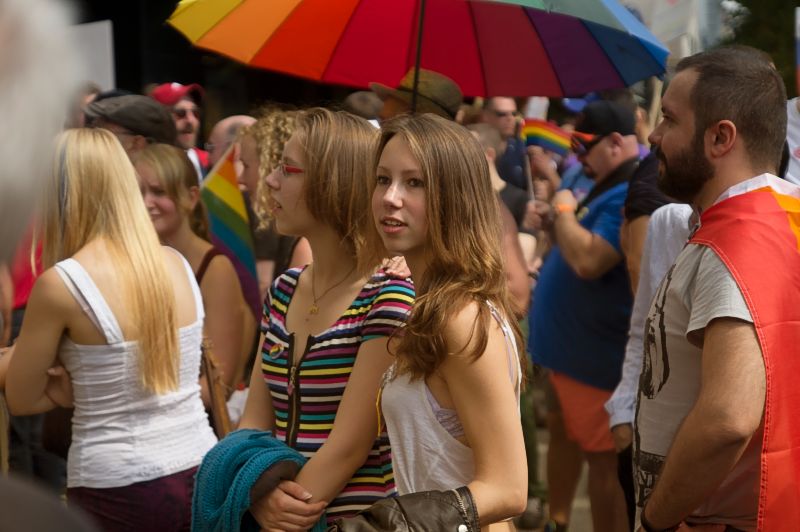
(683,176)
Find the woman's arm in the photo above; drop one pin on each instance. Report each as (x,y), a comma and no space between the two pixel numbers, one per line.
(36,350)
(224,322)
(345,450)
(258,413)
(483,395)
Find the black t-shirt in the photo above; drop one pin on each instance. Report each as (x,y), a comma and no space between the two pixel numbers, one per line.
(644,197)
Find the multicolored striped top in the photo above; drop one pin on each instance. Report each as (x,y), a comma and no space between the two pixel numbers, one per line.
(306,397)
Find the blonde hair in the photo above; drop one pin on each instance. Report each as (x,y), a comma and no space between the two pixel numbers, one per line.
(337,148)
(270,133)
(177,175)
(93,193)
(464,235)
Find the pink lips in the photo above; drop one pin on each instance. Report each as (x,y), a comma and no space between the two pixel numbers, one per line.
(391,225)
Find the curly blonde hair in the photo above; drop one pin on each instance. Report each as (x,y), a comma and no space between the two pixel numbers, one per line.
(270,132)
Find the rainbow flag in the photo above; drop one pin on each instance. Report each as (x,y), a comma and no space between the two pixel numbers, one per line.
(549,136)
(747,232)
(229,225)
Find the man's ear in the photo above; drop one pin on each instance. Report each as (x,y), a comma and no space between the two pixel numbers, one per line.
(139,142)
(721,137)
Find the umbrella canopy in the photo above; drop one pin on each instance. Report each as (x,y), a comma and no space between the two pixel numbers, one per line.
(490,48)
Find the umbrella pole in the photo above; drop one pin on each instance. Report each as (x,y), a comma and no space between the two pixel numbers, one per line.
(418,59)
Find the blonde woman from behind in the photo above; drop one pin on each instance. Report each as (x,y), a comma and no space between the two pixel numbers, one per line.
(113,328)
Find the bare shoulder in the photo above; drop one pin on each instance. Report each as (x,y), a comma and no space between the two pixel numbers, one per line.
(50,289)
(462,333)
(221,271)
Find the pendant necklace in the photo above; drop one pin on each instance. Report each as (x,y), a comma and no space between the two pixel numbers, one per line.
(314,309)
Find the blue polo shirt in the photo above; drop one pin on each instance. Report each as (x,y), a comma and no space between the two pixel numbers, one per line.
(579,327)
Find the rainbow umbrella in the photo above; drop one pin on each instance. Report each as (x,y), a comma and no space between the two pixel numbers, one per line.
(490,48)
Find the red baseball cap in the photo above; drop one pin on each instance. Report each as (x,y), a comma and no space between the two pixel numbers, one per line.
(172,93)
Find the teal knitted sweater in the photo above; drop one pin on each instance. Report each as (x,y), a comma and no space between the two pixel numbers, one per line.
(228,471)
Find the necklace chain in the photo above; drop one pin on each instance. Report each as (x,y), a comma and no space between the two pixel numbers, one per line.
(314,309)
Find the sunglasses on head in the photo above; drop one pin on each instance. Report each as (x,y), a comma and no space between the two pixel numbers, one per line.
(582,143)
(181,113)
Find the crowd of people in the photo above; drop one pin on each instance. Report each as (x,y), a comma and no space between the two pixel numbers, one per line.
(421,272)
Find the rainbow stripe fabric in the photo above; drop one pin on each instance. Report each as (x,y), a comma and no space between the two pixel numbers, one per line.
(546,135)
(229,226)
(307,386)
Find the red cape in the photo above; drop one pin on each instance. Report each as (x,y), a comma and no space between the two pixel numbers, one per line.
(757,236)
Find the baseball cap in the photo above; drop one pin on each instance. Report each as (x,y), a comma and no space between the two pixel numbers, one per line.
(172,93)
(436,93)
(138,114)
(603,117)
(576,105)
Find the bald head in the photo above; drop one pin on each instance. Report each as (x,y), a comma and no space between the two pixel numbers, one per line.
(224,133)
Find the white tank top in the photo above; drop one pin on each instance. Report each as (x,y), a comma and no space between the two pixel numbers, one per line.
(122,434)
(424,454)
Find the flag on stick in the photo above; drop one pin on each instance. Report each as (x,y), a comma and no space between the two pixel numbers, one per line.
(549,136)
(229,225)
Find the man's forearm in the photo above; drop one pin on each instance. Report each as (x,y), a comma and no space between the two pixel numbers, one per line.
(702,455)
(572,239)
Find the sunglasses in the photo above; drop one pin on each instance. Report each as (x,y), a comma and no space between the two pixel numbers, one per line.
(582,143)
(181,113)
(504,114)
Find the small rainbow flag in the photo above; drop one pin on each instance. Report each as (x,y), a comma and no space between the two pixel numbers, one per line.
(229,225)
(549,136)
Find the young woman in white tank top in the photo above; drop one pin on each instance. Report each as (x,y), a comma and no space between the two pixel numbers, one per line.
(451,400)
(113,327)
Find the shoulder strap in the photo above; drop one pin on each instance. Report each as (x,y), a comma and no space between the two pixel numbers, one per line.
(514,365)
(91,300)
(201,270)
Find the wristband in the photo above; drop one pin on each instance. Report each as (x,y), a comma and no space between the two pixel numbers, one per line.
(647,527)
(563,207)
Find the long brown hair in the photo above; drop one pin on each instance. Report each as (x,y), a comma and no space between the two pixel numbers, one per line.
(93,193)
(464,237)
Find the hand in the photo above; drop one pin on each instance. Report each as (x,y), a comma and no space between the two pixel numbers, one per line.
(623,436)
(565,197)
(286,508)
(537,214)
(59,386)
(542,189)
(541,161)
(396,267)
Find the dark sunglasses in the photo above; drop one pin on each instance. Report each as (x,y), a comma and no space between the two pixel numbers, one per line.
(504,114)
(582,143)
(181,113)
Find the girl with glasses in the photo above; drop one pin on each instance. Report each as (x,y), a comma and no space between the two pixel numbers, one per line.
(325,329)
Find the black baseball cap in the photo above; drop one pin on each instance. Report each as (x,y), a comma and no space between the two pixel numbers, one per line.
(603,117)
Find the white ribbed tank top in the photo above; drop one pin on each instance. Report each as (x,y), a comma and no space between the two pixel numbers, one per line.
(122,434)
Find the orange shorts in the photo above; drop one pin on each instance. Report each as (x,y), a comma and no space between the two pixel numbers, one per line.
(584,413)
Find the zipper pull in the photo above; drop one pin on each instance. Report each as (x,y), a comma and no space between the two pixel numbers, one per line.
(290,385)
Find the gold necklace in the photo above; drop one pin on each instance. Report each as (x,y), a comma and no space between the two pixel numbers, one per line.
(314,309)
